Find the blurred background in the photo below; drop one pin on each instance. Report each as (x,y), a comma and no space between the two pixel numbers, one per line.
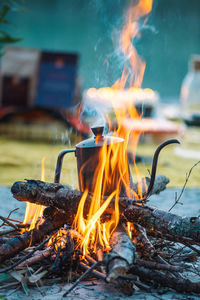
(89,31)
(90,28)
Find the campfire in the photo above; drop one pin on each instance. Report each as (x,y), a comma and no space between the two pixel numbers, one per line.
(105,229)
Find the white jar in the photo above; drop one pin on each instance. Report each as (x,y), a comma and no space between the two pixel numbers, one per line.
(190,89)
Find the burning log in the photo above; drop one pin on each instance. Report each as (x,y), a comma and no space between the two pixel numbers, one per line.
(28,238)
(64,197)
(122,255)
(47,194)
(158,220)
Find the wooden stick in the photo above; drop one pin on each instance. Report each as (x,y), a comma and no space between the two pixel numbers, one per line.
(57,195)
(158,220)
(88,271)
(174,238)
(158,266)
(16,244)
(6,269)
(97,274)
(9,223)
(184,186)
(39,256)
(54,195)
(9,285)
(122,255)
(178,284)
(141,241)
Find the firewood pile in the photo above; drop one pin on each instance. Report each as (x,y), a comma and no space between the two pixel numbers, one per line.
(162,251)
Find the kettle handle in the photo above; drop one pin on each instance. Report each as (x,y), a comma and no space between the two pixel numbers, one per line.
(59,164)
(155,160)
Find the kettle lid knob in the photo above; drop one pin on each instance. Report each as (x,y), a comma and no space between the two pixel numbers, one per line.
(98,130)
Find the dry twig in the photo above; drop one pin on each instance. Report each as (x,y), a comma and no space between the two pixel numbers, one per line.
(177,199)
(88,271)
(25,257)
(8,223)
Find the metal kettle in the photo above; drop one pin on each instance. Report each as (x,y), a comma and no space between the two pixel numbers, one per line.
(87,157)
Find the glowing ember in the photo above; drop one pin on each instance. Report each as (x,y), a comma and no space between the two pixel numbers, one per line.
(130,229)
(59,239)
(34,211)
(112,157)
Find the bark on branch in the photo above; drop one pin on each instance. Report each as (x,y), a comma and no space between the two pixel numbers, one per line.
(67,199)
(178,284)
(36,235)
(158,220)
(64,197)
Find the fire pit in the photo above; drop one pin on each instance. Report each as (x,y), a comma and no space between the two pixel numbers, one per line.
(184,256)
(106,228)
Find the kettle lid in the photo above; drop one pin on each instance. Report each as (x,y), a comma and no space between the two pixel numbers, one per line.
(98,140)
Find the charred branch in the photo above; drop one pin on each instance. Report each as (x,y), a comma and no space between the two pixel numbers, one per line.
(64,197)
(158,220)
(141,241)
(39,256)
(158,266)
(47,194)
(28,238)
(178,284)
(67,199)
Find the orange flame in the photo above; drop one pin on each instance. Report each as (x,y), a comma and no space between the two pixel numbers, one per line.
(129,32)
(34,211)
(59,239)
(113,165)
(111,171)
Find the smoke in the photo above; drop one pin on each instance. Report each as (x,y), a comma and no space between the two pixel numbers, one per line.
(122,67)
(94,114)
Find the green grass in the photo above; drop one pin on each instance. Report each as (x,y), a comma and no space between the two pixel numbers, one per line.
(20,160)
